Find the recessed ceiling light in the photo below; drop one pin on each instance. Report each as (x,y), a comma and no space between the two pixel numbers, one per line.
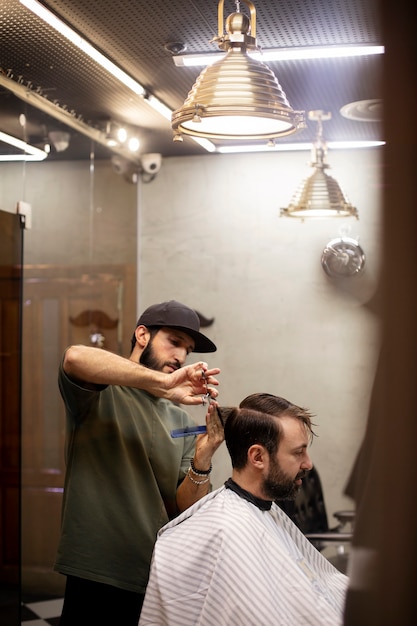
(363,111)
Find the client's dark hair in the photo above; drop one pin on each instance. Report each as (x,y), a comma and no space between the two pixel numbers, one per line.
(254,423)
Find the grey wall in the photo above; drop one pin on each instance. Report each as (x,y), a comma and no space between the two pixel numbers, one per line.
(80,216)
(211,236)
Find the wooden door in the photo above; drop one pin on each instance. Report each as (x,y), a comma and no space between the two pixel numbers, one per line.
(62,306)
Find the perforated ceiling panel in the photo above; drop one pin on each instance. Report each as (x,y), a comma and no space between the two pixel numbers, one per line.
(134,34)
(316,22)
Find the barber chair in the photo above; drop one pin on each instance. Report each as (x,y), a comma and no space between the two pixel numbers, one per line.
(308,512)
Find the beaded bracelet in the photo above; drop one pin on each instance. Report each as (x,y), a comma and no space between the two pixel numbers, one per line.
(197,482)
(200,472)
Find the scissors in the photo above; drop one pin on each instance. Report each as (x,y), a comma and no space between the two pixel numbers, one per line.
(198,430)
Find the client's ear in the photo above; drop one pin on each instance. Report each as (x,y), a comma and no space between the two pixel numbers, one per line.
(257,456)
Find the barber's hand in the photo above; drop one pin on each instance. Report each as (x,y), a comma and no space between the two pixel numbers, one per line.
(191,383)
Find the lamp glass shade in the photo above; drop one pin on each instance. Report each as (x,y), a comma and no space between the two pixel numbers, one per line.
(237,97)
(319,195)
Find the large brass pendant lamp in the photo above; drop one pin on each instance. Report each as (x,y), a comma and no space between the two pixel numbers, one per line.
(237,97)
(319,195)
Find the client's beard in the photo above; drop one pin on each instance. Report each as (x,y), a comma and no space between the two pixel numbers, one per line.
(279,486)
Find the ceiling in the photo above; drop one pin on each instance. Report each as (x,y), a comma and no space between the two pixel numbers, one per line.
(43,73)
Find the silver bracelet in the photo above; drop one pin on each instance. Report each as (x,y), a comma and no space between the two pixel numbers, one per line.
(199,472)
(197,482)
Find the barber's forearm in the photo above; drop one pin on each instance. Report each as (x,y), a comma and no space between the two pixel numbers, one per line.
(94,366)
(192,489)
(100,367)
(196,483)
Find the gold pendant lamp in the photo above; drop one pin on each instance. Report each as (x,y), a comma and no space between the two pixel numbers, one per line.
(237,97)
(319,195)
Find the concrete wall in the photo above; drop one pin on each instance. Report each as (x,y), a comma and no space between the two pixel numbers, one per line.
(210,235)
(81,215)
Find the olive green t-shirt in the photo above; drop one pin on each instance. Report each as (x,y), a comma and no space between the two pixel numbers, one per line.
(122,472)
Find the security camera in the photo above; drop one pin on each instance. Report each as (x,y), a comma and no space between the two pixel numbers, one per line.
(151,162)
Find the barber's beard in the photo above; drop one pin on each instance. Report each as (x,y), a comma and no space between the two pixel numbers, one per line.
(149,359)
(278,485)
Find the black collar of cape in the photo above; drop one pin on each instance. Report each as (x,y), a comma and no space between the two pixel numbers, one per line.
(264,505)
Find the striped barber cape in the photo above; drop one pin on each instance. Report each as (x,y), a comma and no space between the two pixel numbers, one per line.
(226,562)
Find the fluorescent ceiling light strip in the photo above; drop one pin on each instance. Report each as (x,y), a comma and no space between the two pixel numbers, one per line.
(166,112)
(292,147)
(205,143)
(35,153)
(283,54)
(327,52)
(39,10)
(53,21)
(342,145)
(159,106)
(20,157)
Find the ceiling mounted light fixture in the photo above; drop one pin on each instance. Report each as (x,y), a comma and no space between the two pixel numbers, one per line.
(59,139)
(28,151)
(237,97)
(319,195)
(116,135)
(298,146)
(82,44)
(52,20)
(284,54)
(112,139)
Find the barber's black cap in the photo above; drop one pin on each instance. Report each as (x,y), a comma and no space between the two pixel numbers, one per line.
(177,315)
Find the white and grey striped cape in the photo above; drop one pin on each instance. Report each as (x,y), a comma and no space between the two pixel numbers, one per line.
(225,562)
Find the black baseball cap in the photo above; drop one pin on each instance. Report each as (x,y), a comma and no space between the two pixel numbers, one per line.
(177,315)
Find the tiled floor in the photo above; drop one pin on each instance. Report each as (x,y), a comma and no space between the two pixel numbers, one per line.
(42,613)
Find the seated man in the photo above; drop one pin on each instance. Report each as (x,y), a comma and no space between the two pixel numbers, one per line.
(235,558)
